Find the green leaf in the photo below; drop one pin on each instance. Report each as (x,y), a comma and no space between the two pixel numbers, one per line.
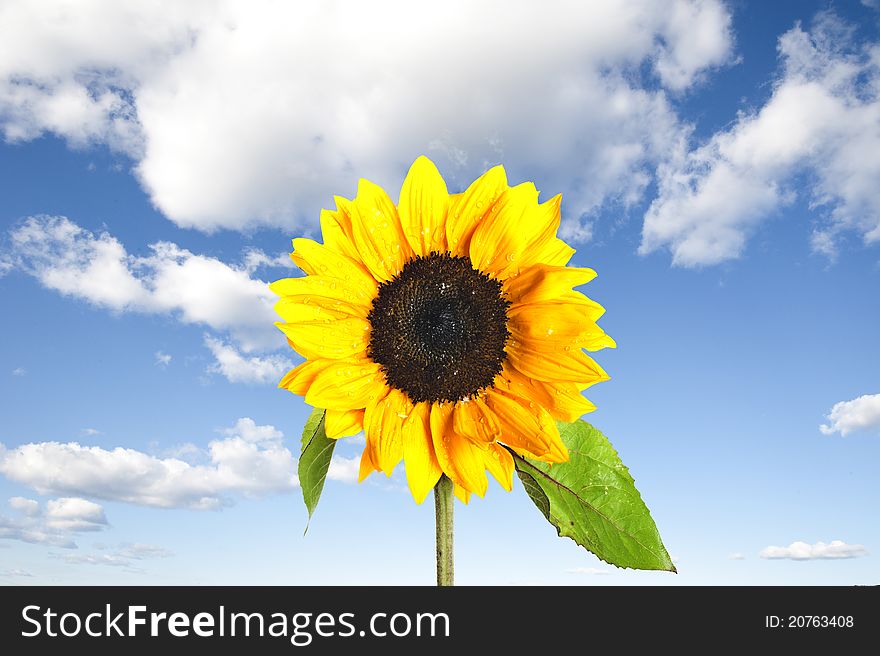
(314,460)
(593,500)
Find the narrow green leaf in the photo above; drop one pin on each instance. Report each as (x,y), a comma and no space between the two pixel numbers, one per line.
(593,500)
(314,460)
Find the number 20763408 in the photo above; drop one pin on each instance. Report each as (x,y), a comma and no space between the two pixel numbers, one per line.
(809,621)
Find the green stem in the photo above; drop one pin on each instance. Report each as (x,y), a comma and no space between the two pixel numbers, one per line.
(443,504)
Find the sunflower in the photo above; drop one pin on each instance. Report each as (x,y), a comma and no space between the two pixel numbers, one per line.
(445,328)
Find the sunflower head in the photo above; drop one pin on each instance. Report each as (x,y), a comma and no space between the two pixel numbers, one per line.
(444,327)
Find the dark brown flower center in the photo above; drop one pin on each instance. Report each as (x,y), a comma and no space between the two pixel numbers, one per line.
(439,329)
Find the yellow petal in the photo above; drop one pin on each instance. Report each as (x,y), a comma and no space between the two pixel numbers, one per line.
(461,494)
(476,421)
(422,469)
(329,338)
(300,378)
(383,421)
(592,309)
(499,241)
(568,403)
(377,232)
(316,308)
(587,308)
(467,210)
(542,282)
(547,248)
(499,462)
(554,326)
(572,366)
(336,229)
(325,261)
(367,467)
(424,201)
(343,423)
(346,385)
(554,252)
(460,458)
(562,400)
(527,428)
(326,287)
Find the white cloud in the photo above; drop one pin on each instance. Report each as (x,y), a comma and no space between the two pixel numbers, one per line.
(73,514)
(15,572)
(248,430)
(592,571)
(239,368)
(89,432)
(187,452)
(235,465)
(197,289)
(702,36)
(162,359)
(822,119)
(19,371)
(250,460)
(11,529)
(28,507)
(862,413)
(737,556)
(344,469)
(233,120)
(54,525)
(836,549)
(256,259)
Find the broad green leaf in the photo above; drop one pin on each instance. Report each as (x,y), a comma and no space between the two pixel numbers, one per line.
(593,500)
(314,460)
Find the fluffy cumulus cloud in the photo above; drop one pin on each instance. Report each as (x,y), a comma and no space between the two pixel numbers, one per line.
(249,460)
(836,549)
(196,289)
(822,119)
(73,514)
(238,367)
(860,414)
(28,507)
(240,114)
(52,524)
(33,533)
(344,469)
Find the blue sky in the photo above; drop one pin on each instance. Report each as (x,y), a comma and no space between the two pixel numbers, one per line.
(718,165)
